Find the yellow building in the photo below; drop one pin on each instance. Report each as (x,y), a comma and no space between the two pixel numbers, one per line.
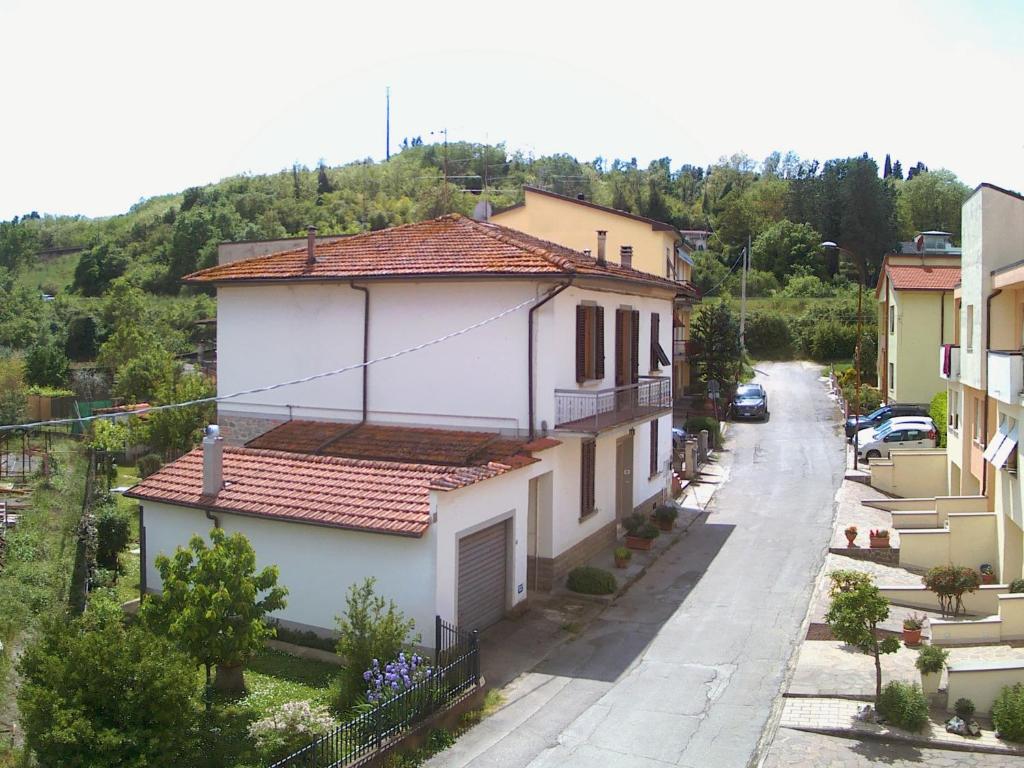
(915,316)
(644,244)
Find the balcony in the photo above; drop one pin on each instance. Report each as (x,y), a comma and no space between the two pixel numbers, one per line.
(949,371)
(1006,376)
(579,410)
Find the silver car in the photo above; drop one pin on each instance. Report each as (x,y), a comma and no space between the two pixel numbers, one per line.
(905,433)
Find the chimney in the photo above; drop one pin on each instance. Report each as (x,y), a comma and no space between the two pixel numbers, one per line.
(587,252)
(213,461)
(602,238)
(311,245)
(626,255)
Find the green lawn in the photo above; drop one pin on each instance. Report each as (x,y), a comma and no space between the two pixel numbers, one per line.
(57,273)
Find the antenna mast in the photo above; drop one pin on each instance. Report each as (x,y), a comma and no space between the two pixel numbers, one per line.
(387,123)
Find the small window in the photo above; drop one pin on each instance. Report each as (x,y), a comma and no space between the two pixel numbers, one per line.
(892,376)
(892,319)
(654,447)
(588,468)
(589,342)
(970,328)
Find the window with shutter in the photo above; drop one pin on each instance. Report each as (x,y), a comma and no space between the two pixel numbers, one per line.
(588,468)
(634,347)
(589,342)
(654,447)
(598,342)
(620,347)
(581,342)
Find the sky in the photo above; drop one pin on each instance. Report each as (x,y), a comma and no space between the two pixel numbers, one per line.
(107,103)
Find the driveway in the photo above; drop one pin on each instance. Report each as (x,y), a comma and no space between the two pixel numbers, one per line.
(687,666)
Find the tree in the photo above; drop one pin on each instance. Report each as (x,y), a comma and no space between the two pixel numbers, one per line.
(97,693)
(854,615)
(46,365)
(897,170)
(887,170)
(97,267)
(214,604)
(141,377)
(949,582)
(81,338)
(176,431)
(784,246)
(13,394)
(18,243)
(933,201)
(716,331)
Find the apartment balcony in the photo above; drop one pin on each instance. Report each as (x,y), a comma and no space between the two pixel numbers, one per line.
(949,369)
(1006,376)
(578,410)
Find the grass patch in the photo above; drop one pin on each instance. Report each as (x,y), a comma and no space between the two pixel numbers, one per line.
(58,273)
(126,476)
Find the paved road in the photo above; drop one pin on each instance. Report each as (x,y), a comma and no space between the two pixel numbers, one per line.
(813,750)
(686,667)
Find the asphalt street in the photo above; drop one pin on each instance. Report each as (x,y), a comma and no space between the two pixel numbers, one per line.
(687,668)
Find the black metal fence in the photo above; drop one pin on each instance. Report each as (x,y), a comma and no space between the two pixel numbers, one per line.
(456,672)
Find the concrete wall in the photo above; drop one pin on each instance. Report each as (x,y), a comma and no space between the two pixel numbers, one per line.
(982,602)
(249,249)
(316,563)
(981,682)
(911,474)
(924,320)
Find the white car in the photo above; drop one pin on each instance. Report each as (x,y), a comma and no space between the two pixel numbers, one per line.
(906,432)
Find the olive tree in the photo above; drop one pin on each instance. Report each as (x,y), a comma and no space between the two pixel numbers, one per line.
(214,604)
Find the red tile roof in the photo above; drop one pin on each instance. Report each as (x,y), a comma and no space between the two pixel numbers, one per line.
(906,277)
(449,246)
(377,496)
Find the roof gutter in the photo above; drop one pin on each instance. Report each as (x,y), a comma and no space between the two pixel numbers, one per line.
(529,352)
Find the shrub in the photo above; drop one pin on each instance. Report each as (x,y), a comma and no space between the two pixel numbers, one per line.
(695,424)
(806,287)
(371,628)
(937,411)
(832,340)
(913,621)
(904,705)
(288,727)
(148,464)
(949,582)
(768,336)
(623,553)
(759,283)
(638,525)
(113,532)
(666,513)
(964,708)
(1008,713)
(1017,586)
(591,581)
(931,659)
(870,397)
(847,581)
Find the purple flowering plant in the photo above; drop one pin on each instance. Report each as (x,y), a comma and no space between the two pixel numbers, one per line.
(395,676)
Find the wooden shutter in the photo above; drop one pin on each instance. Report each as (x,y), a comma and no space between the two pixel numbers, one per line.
(588,461)
(655,338)
(598,342)
(620,347)
(654,447)
(634,348)
(581,342)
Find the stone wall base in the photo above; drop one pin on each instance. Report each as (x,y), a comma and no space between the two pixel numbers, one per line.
(549,571)
(237,430)
(881,555)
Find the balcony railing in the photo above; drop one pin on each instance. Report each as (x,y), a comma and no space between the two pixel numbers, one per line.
(1006,376)
(949,362)
(578,410)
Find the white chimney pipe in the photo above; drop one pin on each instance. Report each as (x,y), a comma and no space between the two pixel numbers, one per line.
(213,461)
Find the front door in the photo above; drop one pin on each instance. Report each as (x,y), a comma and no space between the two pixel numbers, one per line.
(624,477)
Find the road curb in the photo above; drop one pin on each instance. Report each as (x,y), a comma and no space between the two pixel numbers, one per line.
(910,739)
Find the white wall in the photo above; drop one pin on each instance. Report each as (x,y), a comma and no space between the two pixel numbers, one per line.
(316,563)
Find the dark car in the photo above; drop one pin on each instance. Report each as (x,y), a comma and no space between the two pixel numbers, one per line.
(749,402)
(882,415)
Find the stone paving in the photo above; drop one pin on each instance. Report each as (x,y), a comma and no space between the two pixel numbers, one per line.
(839,716)
(853,512)
(814,750)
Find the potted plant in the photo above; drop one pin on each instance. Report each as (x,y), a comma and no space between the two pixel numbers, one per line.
(912,629)
(851,535)
(930,661)
(622,557)
(879,538)
(640,533)
(665,516)
(988,576)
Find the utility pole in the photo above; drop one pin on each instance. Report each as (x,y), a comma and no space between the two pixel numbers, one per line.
(444,193)
(743,297)
(387,123)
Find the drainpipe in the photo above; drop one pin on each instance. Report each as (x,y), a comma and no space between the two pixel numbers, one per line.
(984,415)
(529,351)
(366,343)
(213,517)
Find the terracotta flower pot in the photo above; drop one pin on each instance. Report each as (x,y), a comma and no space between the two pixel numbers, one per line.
(665,525)
(988,578)
(911,636)
(638,542)
(850,538)
(622,562)
(879,542)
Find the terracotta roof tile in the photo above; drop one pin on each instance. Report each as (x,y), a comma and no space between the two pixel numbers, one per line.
(383,497)
(907,277)
(444,247)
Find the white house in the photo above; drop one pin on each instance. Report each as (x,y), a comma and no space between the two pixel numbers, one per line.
(463,475)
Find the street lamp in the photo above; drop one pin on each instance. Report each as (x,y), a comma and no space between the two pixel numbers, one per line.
(828,244)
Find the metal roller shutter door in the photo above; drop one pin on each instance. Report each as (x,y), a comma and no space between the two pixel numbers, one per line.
(482,577)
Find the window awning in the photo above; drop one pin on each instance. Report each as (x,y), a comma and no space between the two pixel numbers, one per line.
(994,445)
(1005,449)
(662,357)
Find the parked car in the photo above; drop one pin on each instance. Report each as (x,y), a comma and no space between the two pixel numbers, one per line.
(749,402)
(678,439)
(873,433)
(896,434)
(878,417)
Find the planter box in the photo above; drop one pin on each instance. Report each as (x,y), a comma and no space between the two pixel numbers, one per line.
(666,526)
(622,563)
(637,542)
(879,542)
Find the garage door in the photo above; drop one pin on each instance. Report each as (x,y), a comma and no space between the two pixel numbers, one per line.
(482,573)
